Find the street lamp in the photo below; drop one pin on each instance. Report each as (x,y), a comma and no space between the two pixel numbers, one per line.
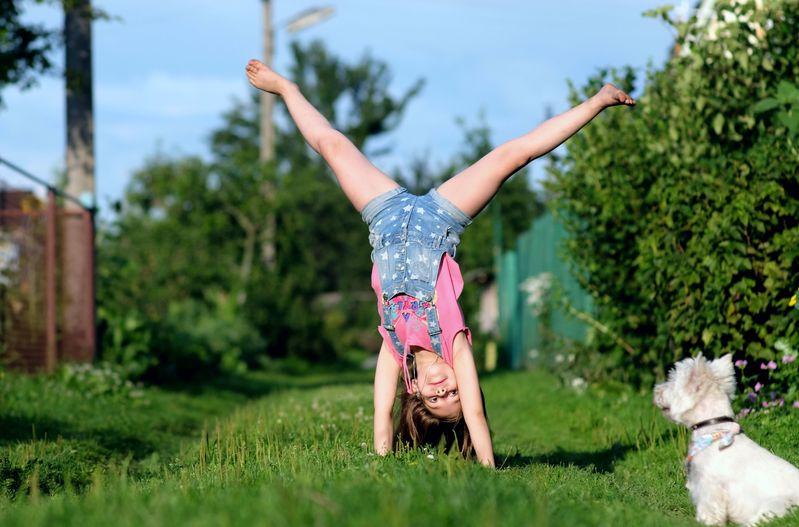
(308,18)
(299,22)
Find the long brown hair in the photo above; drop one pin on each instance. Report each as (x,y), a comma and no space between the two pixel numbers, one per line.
(417,427)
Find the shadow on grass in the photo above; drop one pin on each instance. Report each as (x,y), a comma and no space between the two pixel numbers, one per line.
(15,429)
(54,455)
(600,461)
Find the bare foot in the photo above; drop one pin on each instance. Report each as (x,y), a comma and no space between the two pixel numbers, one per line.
(263,78)
(610,95)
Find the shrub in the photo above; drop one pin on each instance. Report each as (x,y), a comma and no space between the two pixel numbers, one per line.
(92,380)
(198,339)
(685,211)
(770,384)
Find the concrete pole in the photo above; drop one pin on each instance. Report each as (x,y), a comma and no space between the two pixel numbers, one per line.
(77,302)
(267,147)
(267,99)
(267,150)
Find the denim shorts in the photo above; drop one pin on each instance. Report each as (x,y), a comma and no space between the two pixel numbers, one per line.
(409,234)
(398,198)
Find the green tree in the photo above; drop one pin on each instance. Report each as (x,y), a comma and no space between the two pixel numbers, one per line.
(188,231)
(183,253)
(24,48)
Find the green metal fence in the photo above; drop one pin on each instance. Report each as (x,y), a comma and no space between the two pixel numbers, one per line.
(535,287)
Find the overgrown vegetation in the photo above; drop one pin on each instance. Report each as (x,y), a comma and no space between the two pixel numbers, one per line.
(685,211)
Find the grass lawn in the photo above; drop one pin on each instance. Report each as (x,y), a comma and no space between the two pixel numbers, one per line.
(272,450)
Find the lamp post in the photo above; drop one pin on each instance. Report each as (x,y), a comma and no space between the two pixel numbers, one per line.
(301,21)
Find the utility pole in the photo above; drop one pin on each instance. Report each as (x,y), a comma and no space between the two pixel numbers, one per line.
(78,328)
(267,99)
(305,19)
(267,150)
(302,20)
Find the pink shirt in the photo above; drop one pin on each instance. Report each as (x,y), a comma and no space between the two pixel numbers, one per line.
(410,321)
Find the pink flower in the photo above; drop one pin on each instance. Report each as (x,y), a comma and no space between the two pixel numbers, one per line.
(781,402)
(796,404)
(740,363)
(745,411)
(766,404)
(758,386)
(772,365)
(763,366)
(786,359)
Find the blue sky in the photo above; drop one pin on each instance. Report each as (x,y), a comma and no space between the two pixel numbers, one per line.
(166,71)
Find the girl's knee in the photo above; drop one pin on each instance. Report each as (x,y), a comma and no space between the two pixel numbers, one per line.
(331,144)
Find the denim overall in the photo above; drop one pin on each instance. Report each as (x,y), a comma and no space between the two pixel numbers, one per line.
(409,234)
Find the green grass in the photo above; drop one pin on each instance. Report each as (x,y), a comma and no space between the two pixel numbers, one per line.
(282,451)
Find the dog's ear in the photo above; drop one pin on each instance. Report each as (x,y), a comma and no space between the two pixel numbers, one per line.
(689,378)
(724,373)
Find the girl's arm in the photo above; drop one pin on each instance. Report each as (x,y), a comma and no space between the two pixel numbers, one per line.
(471,401)
(386,375)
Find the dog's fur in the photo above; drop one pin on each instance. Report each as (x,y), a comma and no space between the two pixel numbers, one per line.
(742,483)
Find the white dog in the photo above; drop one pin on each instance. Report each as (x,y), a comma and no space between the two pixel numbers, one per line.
(730,477)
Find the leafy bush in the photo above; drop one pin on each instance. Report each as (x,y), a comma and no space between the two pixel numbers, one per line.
(98,379)
(126,340)
(196,339)
(685,211)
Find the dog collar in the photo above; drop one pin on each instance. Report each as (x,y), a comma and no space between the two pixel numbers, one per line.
(713,421)
(699,443)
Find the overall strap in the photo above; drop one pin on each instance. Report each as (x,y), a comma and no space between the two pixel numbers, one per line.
(402,351)
(434,329)
(389,327)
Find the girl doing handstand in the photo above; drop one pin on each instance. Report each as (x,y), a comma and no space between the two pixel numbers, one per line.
(416,280)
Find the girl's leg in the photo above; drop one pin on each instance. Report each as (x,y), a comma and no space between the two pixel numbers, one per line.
(473,188)
(359,179)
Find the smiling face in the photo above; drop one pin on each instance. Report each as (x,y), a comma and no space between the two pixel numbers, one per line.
(437,387)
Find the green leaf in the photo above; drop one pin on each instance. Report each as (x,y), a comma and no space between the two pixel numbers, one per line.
(787,92)
(718,123)
(790,120)
(765,105)
(661,12)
